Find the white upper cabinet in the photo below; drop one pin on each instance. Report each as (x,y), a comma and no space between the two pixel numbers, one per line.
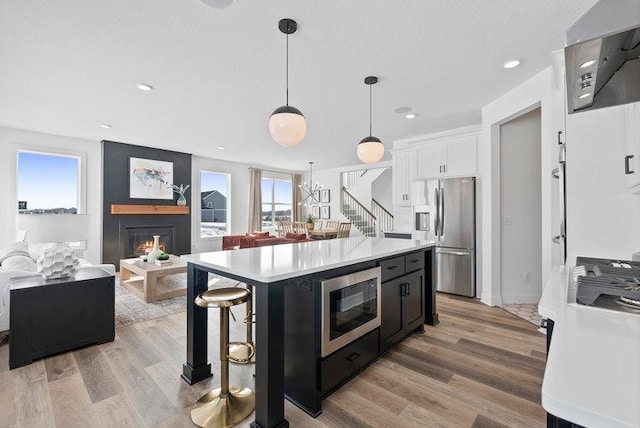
(404,172)
(632,146)
(449,158)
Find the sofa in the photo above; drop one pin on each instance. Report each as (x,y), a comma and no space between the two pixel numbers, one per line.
(19,260)
(260,239)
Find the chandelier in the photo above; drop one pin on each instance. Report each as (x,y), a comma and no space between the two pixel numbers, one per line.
(310,191)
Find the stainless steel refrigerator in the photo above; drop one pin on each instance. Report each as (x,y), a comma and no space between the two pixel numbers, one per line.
(451,204)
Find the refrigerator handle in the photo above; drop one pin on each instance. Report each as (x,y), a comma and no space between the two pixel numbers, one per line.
(437,219)
(442,211)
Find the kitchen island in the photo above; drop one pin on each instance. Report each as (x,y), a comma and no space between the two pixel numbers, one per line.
(592,376)
(272,271)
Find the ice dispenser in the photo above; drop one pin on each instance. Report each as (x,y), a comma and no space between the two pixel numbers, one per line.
(422,217)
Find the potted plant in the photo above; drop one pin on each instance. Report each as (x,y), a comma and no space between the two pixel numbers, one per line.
(310,222)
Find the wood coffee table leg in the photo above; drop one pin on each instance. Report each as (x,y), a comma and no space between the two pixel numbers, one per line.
(147,291)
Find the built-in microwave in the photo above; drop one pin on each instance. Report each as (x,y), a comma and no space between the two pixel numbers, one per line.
(350,308)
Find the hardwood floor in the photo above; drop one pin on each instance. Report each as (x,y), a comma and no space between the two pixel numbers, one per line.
(480,367)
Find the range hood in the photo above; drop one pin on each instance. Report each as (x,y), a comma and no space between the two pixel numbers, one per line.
(602,56)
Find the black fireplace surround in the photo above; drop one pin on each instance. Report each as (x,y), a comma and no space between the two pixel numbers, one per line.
(120,232)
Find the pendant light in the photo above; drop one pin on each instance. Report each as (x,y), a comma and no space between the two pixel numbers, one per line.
(287,124)
(370,149)
(310,190)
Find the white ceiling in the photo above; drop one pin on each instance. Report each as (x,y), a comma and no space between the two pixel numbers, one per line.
(68,66)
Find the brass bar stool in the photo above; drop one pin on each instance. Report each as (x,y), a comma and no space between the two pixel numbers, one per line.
(225,406)
(244,352)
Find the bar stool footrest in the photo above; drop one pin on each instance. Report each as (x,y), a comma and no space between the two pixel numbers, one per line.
(242,352)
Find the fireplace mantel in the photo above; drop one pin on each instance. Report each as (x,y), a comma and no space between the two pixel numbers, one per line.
(148,209)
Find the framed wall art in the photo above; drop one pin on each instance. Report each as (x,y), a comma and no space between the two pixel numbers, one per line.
(315,211)
(325,196)
(326,211)
(150,179)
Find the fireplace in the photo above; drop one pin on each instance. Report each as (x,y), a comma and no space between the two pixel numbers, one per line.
(138,240)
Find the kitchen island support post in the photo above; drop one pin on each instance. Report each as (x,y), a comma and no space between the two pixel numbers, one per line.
(196,368)
(270,356)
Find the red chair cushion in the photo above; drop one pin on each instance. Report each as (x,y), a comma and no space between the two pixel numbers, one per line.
(296,236)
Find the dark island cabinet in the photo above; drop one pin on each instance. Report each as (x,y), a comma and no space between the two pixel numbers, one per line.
(402,308)
(403,298)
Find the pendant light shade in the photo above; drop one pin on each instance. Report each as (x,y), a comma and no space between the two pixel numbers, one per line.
(370,149)
(287,124)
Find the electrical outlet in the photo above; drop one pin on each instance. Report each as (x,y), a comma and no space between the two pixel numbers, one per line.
(527,276)
(506,221)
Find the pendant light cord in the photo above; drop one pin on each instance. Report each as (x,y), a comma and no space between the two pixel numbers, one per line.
(287,74)
(370,110)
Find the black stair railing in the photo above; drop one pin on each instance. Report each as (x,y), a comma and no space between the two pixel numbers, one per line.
(384,217)
(359,215)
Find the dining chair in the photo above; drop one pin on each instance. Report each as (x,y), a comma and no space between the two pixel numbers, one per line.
(332,225)
(299,227)
(343,230)
(287,227)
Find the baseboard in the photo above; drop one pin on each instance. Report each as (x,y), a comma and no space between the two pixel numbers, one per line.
(491,301)
(508,300)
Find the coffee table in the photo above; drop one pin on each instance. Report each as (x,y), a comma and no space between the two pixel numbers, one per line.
(148,288)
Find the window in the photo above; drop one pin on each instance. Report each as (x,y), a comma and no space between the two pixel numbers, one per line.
(48,183)
(276,199)
(214,198)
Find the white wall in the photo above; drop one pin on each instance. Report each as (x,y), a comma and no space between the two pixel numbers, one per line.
(11,140)
(520,194)
(363,190)
(382,189)
(603,218)
(330,179)
(544,90)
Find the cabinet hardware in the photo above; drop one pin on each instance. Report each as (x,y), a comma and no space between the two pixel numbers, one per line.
(351,358)
(559,137)
(404,289)
(444,167)
(408,289)
(627,169)
(392,267)
(440,168)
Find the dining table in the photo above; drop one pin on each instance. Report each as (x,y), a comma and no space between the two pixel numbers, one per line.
(323,233)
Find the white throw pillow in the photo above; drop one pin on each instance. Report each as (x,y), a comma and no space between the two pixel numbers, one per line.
(16,249)
(22,263)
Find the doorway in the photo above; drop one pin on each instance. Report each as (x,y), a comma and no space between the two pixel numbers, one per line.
(521,209)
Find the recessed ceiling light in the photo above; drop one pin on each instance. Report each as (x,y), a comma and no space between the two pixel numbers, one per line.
(588,94)
(410,116)
(587,64)
(402,110)
(512,63)
(105,126)
(144,87)
(220,147)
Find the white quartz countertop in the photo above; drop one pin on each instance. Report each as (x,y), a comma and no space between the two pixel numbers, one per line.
(592,377)
(279,262)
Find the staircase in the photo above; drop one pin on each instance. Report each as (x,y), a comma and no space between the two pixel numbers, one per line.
(362,218)
(358,205)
